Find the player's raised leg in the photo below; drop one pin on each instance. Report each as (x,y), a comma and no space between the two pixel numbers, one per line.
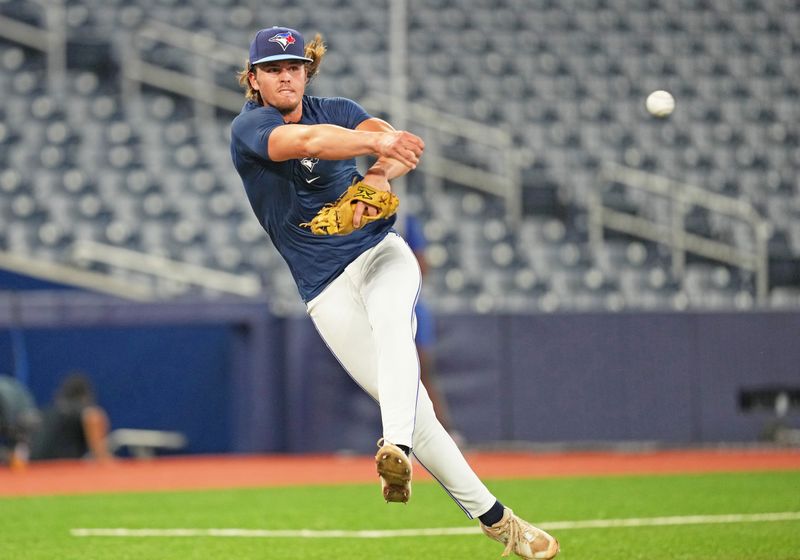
(390,283)
(341,318)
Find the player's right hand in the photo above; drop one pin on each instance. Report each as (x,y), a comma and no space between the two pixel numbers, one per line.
(402,146)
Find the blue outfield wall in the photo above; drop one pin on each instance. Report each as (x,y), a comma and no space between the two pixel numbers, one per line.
(144,375)
(234,378)
(210,371)
(673,378)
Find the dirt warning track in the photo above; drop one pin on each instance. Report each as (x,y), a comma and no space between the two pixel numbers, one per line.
(236,471)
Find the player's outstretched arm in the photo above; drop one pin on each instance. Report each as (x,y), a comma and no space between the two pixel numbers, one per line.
(327,141)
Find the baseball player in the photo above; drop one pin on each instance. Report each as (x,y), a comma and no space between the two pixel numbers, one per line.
(333,226)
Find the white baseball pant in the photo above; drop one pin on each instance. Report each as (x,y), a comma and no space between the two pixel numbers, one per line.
(366,317)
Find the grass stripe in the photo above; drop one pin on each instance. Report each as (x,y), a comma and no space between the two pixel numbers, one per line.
(444,531)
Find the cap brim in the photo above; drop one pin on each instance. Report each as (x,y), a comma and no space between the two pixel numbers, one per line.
(277,57)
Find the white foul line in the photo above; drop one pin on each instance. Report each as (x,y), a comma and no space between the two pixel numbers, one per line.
(444,531)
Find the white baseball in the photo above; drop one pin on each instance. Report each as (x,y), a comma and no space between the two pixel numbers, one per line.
(660,103)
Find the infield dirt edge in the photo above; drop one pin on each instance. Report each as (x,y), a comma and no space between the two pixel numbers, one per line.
(241,471)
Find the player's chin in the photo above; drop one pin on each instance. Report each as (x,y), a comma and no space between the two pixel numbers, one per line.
(286,104)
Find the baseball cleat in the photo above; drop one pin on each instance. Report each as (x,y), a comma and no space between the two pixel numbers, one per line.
(394,468)
(522,538)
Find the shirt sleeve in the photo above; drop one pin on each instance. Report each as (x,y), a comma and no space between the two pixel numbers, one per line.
(252,129)
(346,112)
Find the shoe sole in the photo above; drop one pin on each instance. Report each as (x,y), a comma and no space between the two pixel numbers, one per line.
(394,469)
(551,552)
(555,546)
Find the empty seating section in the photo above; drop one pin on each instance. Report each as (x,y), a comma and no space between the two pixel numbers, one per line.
(567,79)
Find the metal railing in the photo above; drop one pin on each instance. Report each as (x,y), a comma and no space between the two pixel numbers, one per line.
(247,285)
(85,253)
(51,39)
(72,276)
(197,83)
(682,197)
(504,182)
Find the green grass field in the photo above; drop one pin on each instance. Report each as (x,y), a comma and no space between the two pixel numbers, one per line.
(40,528)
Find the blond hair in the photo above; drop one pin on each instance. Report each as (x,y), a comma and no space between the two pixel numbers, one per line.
(315,50)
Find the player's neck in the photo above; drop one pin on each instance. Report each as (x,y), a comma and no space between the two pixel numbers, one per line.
(293,116)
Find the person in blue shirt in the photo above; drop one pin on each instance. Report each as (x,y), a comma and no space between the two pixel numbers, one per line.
(425,337)
(295,153)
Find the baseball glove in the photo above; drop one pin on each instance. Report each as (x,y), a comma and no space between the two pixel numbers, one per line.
(336,218)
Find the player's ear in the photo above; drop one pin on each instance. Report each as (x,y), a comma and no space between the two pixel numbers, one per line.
(251,77)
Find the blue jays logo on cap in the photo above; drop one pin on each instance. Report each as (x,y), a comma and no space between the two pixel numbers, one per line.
(283,39)
(277,43)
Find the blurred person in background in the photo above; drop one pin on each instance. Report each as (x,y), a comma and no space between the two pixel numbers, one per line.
(295,153)
(19,418)
(74,426)
(425,338)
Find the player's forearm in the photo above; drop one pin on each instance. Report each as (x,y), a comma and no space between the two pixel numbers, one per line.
(323,141)
(384,170)
(389,167)
(327,141)
(331,142)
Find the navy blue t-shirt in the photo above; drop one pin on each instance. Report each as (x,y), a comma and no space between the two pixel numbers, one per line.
(285,194)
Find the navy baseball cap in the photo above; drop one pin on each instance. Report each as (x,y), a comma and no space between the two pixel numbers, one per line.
(277,43)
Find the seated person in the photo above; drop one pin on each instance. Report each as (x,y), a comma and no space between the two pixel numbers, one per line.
(74,426)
